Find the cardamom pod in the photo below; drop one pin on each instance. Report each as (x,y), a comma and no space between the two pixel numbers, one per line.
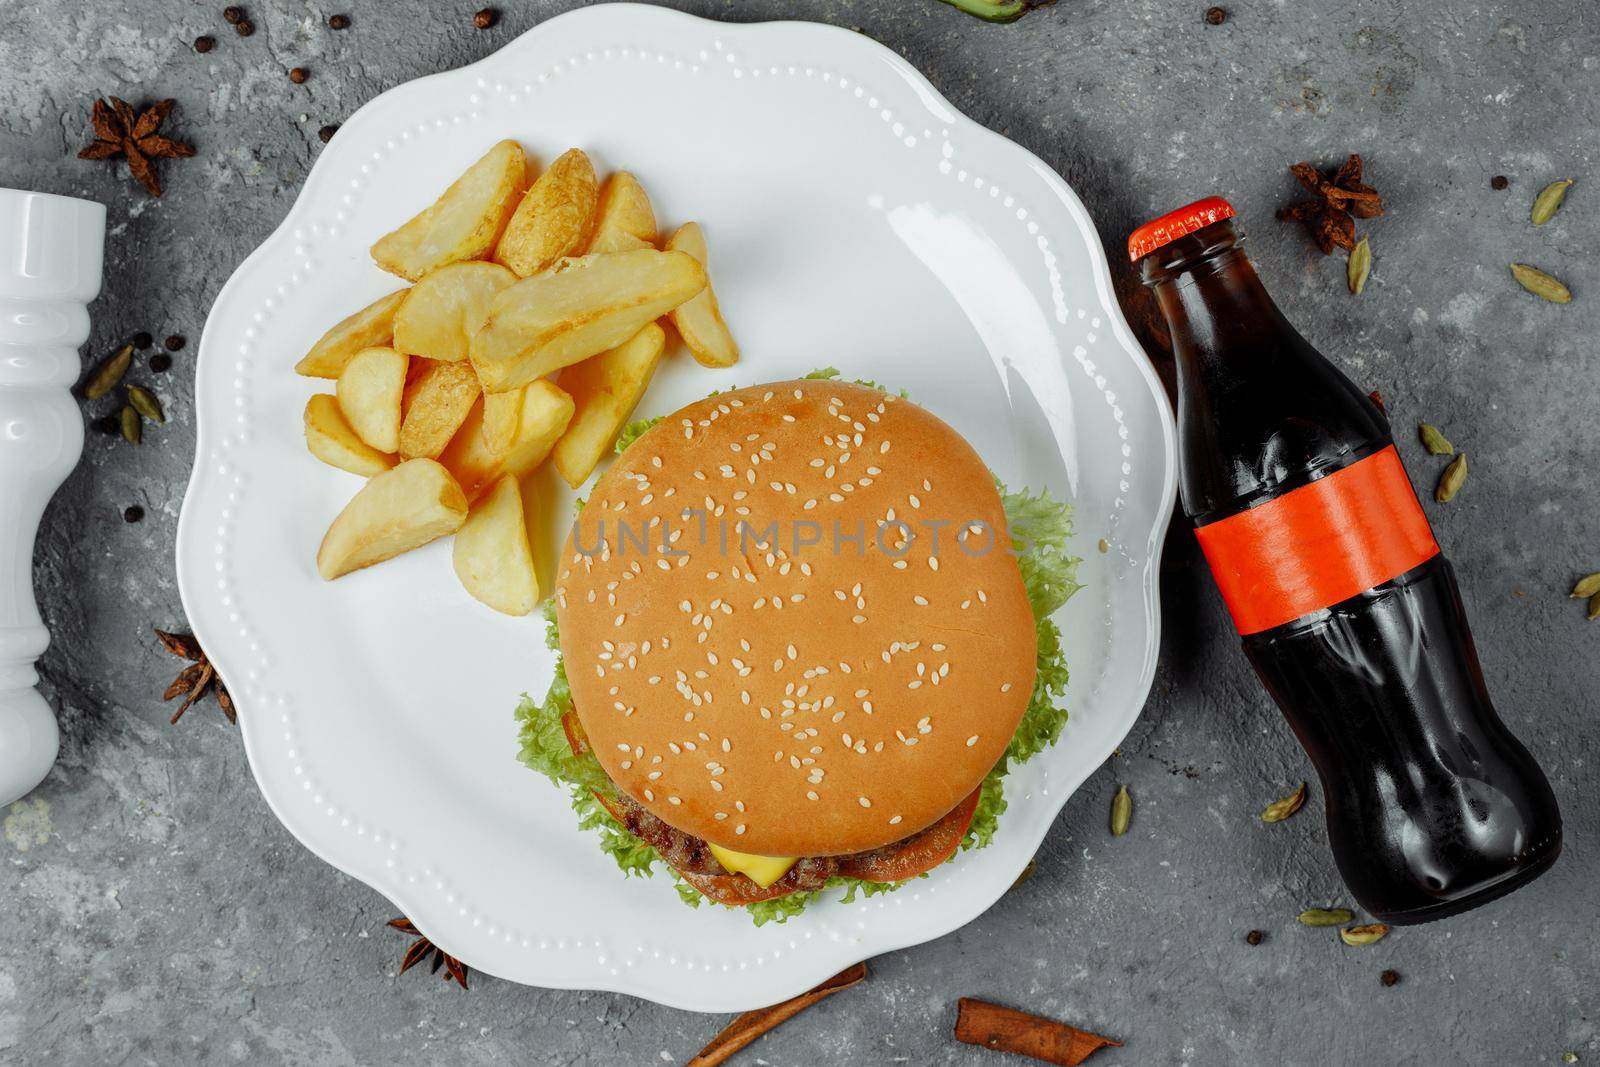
(1451,481)
(1435,442)
(108,374)
(1280,810)
(1370,934)
(132,427)
(1121,812)
(1540,284)
(1358,266)
(1027,872)
(1549,200)
(1587,586)
(1325,916)
(1594,607)
(146,404)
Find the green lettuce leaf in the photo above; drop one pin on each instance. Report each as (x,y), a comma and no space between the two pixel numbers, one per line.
(1040,527)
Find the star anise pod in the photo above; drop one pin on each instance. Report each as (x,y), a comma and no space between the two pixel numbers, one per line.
(118,131)
(421,948)
(197,679)
(1338,199)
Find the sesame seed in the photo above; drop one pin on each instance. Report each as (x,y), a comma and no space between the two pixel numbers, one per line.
(864,802)
(1006,688)
(739,829)
(972,740)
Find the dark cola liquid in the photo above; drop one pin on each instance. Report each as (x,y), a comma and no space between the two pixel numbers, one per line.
(1433,807)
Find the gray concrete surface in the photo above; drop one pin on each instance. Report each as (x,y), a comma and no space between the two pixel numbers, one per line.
(152,911)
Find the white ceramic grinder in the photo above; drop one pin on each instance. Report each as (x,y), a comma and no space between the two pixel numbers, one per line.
(50,257)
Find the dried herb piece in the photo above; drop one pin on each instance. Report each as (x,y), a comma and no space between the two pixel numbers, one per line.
(1121,812)
(1390,978)
(1325,916)
(1451,481)
(1587,586)
(1540,284)
(109,373)
(1254,937)
(979,1022)
(1359,266)
(130,424)
(1027,872)
(119,132)
(998,10)
(1548,202)
(1434,441)
(1280,810)
(197,679)
(1338,199)
(1369,934)
(145,403)
(422,948)
(752,1024)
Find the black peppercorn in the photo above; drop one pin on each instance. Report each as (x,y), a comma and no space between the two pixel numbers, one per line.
(1499,181)
(161,363)
(244,27)
(327,132)
(339,22)
(175,342)
(142,339)
(1216,16)
(133,514)
(204,44)
(108,425)
(1389,978)
(486,18)
(1254,937)
(299,75)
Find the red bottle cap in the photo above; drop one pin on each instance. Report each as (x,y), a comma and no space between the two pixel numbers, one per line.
(1175,224)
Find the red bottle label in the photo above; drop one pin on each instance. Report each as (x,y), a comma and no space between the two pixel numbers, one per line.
(1319,544)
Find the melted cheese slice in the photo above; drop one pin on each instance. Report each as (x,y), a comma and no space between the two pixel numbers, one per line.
(762,870)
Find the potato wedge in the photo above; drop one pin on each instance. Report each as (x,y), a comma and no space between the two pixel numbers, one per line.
(546,411)
(492,555)
(372,325)
(624,219)
(330,439)
(554,219)
(699,320)
(371,390)
(396,511)
(464,223)
(437,400)
(442,311)
(581,308)
(604,391)
(502,417)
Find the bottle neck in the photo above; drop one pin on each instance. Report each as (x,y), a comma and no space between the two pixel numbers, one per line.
(1208,290)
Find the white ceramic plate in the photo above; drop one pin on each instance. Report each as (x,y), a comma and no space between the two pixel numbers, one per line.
(855,219)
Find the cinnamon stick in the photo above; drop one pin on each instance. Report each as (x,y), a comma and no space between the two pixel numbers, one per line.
(979,1022)
(752,1024)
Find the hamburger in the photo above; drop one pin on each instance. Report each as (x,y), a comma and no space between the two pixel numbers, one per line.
(803,635)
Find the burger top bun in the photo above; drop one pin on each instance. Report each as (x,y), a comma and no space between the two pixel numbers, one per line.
(792,622)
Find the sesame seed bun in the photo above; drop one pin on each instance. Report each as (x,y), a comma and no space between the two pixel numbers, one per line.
(784,698)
